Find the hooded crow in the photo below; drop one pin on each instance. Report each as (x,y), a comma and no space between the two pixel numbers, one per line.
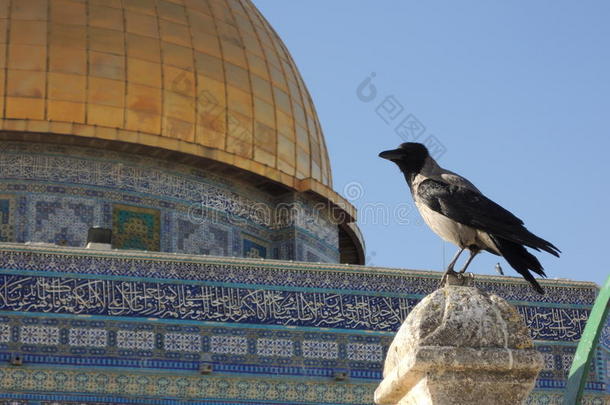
(459,213)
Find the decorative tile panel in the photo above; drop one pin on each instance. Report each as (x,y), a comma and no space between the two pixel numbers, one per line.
(134,387)
(88,337)
(364,352)
(320,349)
(182,342)
(136,228)
(274,347)
(566,361)
(549,361)
(39,335)
(228,344)
(201,238)
(7,218)
(134,339)
(605,336)
(254,248)
(5,333)
(61,220)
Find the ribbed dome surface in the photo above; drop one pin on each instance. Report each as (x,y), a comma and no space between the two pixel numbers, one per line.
(205,77)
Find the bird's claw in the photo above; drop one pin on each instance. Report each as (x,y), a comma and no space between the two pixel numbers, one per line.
(446,275)
(461,278)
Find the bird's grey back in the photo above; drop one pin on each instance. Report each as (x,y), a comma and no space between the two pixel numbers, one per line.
(457,180)
(432,170)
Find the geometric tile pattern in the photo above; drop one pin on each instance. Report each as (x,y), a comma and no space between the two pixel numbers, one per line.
(94,337)
(274,347)
(208,239)
(566,361)
(134,387)
(63,221)
(5,333)
(39,335)
(136,228)
(549,361)
(320,349)
(182,342)
(228,344)
(134,339)
(276,353)
(182,345)
(7,217)
(365,352)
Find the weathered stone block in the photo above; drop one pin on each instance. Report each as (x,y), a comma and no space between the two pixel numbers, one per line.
(460,345)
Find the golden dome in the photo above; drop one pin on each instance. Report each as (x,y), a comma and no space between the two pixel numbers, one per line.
(208,78)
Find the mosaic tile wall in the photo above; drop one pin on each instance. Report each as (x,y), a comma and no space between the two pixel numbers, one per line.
(54,194)
(139,326)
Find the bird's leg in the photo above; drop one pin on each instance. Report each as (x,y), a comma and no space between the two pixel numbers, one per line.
(454,260)
(450,266)
(473,253)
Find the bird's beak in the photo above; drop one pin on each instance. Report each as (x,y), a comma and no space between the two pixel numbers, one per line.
(393,154)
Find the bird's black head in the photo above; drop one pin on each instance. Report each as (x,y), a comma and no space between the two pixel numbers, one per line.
(409,156)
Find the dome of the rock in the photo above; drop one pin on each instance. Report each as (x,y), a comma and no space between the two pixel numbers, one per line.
(207,84)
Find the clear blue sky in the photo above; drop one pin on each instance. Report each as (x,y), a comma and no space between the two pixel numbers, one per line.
(517,92)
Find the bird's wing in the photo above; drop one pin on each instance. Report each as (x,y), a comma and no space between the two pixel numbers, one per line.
(470,207)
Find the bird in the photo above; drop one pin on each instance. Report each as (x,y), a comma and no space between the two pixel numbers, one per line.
(499,269)
(459,213)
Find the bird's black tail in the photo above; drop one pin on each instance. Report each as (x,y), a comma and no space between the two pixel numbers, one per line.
(521,260)
(527,238)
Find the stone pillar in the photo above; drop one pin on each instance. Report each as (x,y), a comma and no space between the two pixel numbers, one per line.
(460,345)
